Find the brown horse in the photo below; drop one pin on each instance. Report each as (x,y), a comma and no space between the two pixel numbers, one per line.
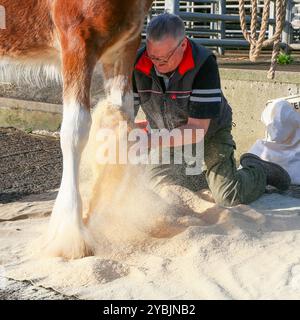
(65,39)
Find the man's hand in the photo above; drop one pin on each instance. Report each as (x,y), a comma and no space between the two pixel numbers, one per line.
(199,123)
(193,124)
(142,124)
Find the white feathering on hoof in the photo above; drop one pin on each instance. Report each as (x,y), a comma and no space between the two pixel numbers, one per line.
(69,242)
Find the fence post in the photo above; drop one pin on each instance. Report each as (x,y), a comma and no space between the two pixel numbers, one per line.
(222,25)
(287,30)
(172,6)
(271,16)
(213,24)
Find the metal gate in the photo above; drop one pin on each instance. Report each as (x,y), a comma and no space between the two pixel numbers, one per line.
(216,23)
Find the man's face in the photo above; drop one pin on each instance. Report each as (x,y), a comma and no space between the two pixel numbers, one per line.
(166,54)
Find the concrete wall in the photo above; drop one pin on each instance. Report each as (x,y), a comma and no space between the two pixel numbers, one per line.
(29,115)
(246,90)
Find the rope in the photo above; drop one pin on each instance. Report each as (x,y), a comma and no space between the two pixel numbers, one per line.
(253,25)
(256,44)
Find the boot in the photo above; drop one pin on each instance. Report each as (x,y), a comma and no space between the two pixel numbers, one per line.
(276,175)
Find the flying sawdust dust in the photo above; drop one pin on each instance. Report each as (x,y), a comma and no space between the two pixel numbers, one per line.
(121,211)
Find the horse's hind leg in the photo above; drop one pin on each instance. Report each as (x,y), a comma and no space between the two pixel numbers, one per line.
(118,68)
(119,107)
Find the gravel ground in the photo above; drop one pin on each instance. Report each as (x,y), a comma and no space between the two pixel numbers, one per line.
(28,164)
(21,290)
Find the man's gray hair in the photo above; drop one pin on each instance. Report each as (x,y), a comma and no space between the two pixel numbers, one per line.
(165,25)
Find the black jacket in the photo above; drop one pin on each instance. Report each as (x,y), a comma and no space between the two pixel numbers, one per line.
(194,91)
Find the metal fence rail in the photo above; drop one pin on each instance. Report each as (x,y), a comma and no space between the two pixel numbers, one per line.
(216,23)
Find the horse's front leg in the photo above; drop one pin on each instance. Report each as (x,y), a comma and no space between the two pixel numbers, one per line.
(67,235)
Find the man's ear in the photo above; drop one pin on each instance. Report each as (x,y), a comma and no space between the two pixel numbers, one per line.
(184,43)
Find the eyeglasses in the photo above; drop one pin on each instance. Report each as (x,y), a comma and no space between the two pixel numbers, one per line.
(165,60)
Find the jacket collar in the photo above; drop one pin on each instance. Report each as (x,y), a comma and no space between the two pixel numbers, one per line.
(145,65)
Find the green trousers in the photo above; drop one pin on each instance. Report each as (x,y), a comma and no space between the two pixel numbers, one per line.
(229,186)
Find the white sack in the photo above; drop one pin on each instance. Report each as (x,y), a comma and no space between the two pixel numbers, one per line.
(281,144)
